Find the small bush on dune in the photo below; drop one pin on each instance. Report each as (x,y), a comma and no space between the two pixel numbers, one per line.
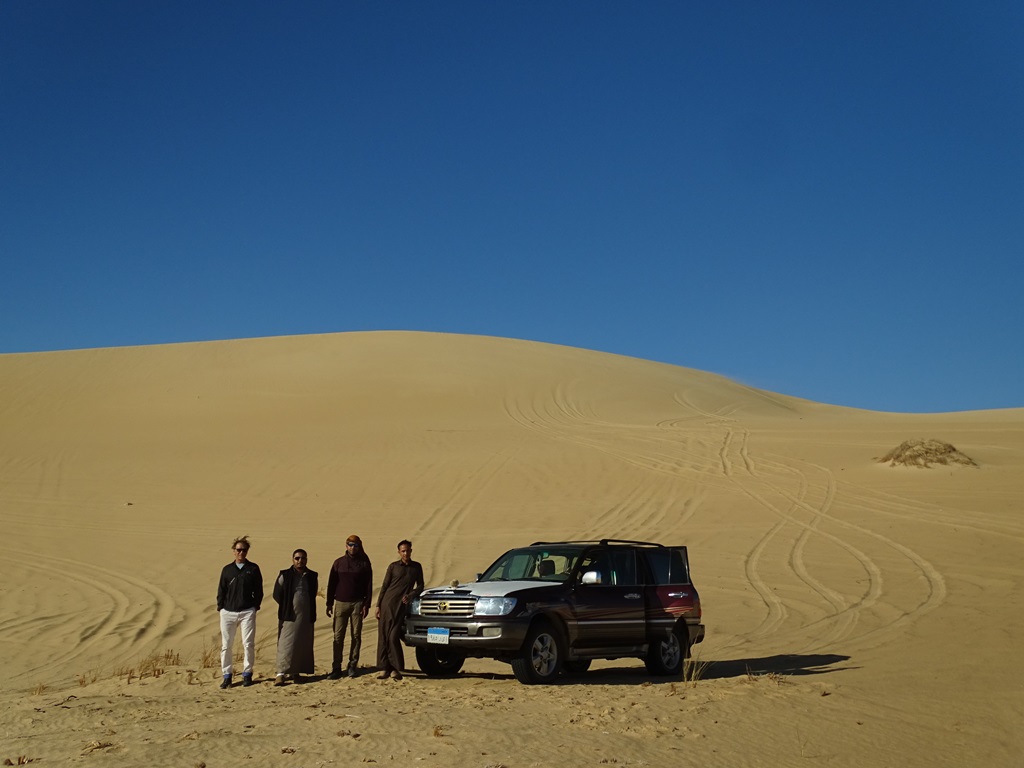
(924,453)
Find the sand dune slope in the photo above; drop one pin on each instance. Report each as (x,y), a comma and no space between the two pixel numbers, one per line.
(857,613)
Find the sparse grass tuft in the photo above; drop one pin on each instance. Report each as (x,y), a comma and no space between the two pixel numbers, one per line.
(39,690)
(693,670)
(153,665)
(210,654)
(19,760)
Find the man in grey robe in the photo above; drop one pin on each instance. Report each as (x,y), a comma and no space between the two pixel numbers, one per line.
(295,592)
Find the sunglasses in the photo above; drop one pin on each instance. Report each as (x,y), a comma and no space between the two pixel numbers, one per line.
(351,544)
(240,550)
(299,557)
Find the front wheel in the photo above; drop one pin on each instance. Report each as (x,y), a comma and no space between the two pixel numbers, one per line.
(665,655)
(540,659)
(439,662)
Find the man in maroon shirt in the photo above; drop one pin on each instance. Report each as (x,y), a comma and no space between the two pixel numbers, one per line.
(349,588)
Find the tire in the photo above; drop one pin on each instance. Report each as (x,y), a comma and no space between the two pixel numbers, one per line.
(577,667)
(439,662)
(540,659)
(665,654)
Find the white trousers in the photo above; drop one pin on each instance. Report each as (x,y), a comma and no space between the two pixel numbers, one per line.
(229,622)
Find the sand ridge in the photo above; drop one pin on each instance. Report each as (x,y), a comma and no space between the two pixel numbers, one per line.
(856,612)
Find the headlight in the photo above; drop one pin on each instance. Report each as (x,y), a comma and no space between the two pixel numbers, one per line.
(414,606)
(494,606)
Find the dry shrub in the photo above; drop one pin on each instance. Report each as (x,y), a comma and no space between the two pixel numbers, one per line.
(771,677)
(210,655)
(92,746)
(924,453)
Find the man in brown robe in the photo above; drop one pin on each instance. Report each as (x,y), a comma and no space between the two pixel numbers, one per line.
(402,582)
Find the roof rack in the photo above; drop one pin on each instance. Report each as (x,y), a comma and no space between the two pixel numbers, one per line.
(601,542)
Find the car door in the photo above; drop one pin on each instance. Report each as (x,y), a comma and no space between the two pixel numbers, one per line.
(669,593)
(609,614)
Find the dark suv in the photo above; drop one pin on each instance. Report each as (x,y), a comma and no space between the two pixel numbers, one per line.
(555,606)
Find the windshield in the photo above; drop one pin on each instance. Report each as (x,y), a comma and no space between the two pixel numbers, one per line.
(534,563)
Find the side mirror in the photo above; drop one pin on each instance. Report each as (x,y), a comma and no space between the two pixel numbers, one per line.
(592,577)
(478,576)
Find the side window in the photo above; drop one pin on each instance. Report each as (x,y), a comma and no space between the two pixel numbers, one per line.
(667,566)
(623,562)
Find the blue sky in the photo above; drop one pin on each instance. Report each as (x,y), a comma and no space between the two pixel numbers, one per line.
(820,199)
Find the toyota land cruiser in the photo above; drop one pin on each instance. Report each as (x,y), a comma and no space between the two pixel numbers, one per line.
(556,606)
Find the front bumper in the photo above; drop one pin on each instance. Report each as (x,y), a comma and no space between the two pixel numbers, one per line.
(483,636)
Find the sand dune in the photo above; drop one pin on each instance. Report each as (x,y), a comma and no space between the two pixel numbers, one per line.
(857,613)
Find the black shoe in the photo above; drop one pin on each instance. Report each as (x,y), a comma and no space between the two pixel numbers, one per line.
(384,675)
(246,680)
(335,674)
(397,675)
(351,671)
(226,682)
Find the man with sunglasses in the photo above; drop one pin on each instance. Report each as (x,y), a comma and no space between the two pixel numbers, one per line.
(349,588)
(239,595)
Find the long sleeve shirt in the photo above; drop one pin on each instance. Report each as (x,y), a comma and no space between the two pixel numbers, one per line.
(350,581)
(240,589)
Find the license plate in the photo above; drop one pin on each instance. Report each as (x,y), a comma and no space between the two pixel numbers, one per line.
(437,635)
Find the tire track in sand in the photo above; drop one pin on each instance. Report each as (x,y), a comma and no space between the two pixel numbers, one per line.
(132,617)
(447,518)
(562,419)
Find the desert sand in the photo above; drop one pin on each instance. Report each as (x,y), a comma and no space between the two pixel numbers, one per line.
(857,613)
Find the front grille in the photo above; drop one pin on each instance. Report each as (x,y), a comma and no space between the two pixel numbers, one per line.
(447,606)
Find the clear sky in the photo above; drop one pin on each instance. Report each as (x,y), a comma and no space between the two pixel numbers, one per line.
(819,199)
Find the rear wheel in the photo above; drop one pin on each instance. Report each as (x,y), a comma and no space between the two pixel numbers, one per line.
(439,662)
(666,653)
(540,659)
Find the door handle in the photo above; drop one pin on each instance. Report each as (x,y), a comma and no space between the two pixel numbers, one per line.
(678,594)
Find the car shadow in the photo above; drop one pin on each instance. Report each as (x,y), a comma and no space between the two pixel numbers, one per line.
(786,664)
(780,664)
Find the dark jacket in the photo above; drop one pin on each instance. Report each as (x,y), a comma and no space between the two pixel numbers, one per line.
(240,588)
(351,580)
(284,593)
